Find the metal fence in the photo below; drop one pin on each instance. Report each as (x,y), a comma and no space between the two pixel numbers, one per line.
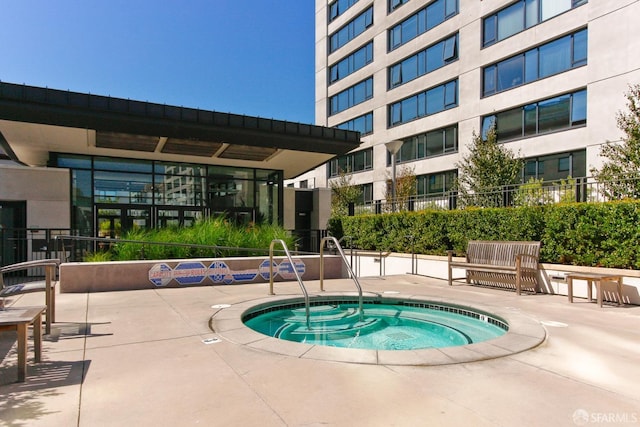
(583,190)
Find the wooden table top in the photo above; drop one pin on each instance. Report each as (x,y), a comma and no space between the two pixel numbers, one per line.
(14,315)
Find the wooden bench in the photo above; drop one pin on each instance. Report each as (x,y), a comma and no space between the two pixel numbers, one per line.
(499,263)
(47,285)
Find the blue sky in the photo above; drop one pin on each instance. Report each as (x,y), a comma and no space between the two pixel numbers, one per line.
(253,57)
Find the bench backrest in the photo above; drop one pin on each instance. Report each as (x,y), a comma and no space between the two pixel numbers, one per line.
(502,253)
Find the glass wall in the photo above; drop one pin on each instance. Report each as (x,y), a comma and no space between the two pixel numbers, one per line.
(111,195)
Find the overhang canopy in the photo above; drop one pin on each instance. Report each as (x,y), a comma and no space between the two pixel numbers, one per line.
(36,121)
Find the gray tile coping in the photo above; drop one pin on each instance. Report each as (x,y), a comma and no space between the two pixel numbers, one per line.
(524,333)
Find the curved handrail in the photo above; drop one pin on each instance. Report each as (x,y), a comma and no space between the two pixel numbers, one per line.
(344,258)
(295,271)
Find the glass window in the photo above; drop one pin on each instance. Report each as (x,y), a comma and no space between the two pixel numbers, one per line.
(435,143)
(394,4)
(420,22)
(450,49)
(435,100)
(511,20)
(351,96)
(362,124)
(530,120)
(555,57)
(551,8)
(339,7)
(531,65)
(531,13)
(489,80)
(551,58)
(510,73)
(424,103)
(435,14)
(521,15)
(554,114)
(125,165)
(490,30)
(509,124)
(351,63)
(579,108)
(580,48)
(351,30)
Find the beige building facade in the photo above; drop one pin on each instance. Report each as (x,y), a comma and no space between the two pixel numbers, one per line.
(549,74)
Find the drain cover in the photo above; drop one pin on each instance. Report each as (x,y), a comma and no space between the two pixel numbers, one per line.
(211,341)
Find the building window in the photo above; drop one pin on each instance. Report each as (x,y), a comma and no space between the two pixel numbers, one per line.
(423,62)
(351,30)
(430,144)
(351,63)
(394,4)
(338,7)
(367,193)
(551,58)
(556,167)
(362,124)
(425,103)
(354,162)
(550,115)
(422,21)
(435,184)
(351,96)
(522,15)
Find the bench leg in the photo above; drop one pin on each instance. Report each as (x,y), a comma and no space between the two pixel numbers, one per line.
(570,288)
(37,338)
(22,351)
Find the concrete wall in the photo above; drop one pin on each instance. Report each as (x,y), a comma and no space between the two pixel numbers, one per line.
(46,191)
(131,275)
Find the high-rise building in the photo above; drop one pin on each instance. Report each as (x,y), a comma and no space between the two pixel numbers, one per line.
(549,74)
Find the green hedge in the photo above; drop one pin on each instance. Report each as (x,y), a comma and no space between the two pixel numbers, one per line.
(589,234)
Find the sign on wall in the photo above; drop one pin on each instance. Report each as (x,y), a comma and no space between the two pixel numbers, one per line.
(218,272)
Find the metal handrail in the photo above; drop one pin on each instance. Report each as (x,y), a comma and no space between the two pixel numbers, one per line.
(295,271)
(344,258)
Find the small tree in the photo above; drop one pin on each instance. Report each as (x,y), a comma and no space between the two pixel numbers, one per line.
(405,188)
(620,173)
(488,167)
(343,193)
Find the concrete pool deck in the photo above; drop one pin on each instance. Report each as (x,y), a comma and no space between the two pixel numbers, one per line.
(149,358)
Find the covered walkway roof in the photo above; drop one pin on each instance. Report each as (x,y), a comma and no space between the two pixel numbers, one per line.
(35,121)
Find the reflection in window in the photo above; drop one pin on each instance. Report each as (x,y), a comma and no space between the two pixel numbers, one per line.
(351,96)
(435,184)
(422,21)
(351,63)
(556,167)
(551,58)
(350,31)
(433,143)
(522,15)
(362,124)
(558,113)
(423,62)
(425,103)
(338,7)
(354,162)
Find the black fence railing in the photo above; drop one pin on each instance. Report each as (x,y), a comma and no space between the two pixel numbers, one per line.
(529,194)
(28,244)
